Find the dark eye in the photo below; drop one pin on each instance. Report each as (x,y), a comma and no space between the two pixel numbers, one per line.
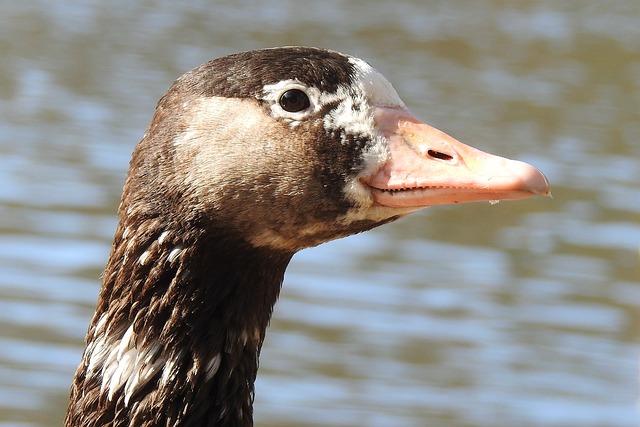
(294,100)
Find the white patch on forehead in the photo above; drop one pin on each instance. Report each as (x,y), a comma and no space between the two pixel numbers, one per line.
(369,90)
(378,89)
(354,112)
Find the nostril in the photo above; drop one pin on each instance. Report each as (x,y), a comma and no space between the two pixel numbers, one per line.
(439,155)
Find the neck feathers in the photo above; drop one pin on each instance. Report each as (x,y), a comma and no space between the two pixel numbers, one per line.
(178,329)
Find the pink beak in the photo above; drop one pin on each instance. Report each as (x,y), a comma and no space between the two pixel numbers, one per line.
(428,167)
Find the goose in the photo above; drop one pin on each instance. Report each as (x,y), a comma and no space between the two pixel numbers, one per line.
(248,159)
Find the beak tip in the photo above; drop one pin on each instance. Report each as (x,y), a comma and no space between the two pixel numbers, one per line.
(533,181)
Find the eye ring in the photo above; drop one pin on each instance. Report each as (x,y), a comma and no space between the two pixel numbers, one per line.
(294,101)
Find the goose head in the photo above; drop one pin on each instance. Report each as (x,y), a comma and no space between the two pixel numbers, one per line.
(291,147)
(248,159)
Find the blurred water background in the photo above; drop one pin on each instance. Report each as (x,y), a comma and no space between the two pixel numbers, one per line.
(520,314)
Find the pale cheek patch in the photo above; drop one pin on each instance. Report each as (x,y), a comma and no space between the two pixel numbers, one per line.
(213,150)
